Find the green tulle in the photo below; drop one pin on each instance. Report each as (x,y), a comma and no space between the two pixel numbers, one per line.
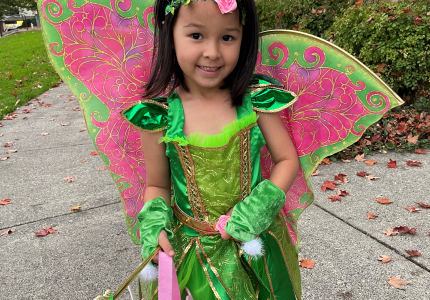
(167,139)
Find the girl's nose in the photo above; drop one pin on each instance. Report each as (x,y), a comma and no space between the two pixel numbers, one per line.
(211,50)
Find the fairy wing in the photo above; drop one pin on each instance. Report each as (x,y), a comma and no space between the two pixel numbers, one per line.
(102,49)
(337,99)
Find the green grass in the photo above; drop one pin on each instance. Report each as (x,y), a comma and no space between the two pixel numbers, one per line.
(25,70)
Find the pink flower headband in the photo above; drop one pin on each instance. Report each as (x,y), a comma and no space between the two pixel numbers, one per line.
(225,6)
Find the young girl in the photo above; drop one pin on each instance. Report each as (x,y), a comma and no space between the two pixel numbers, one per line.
(205,141)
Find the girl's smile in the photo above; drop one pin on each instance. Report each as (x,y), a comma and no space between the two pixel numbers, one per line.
(207,45)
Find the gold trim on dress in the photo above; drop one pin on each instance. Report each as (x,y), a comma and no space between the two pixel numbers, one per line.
(285,260)
(195,199)
(268,276)
(122,113)
(245,165)
(204,228)
(190,244)
(206,271)
(214,270)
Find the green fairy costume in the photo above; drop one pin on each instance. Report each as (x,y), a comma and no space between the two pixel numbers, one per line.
(210,175)
(103,49)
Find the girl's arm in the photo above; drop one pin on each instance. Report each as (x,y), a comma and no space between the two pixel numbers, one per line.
(157,167)
(157,179)
(281,148)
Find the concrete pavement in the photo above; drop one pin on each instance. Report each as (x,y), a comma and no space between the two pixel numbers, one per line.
(92,251)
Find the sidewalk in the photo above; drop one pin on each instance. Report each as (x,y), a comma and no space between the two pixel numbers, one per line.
(92,251)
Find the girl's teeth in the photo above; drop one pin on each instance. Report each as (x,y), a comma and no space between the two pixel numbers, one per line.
(209,69)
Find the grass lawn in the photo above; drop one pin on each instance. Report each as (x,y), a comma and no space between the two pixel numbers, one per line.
(25,70)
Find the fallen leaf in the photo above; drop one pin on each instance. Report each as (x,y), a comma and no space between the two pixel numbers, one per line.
(381,66)
(307,263)
(8,144)
(12,151)
(94,153)
(411,163)
(405,229)
(4,202)
(423,205)
(346,160)
(4,158)
(392,164)
(341,178)
(370,162)
(362,174)
(412,140)
(76,208)
(65,124)
(371,177)
(46,231)
(83,129)
(384,200)
(326,161)
(331,185)
(359,3)
(384,258)
(44,133)
(413,253)
(342,193)
(420,151)
(69,179)
(335,198)
(390,232)
(315,173)
(397,282)
(102,169)
(7,231)
(16,131)
(48,105)
(371,216)
(412,209)
(360,157)
(84,160)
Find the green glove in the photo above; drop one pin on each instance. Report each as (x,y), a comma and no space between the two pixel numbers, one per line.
(256,212)
(155,216)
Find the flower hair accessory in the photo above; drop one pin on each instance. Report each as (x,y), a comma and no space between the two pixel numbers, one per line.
(225,6)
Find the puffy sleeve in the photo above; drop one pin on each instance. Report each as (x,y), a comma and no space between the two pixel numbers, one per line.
(147,115)
(268,95)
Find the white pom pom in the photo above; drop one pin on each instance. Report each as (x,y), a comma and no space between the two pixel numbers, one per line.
(149,273)
(253,248)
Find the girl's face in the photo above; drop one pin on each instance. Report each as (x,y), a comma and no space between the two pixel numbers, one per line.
(207,44)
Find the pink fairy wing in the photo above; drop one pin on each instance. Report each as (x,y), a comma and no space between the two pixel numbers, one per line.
(338,98)
(103,52)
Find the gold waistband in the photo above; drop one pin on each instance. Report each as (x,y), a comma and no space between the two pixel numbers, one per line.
(204,228)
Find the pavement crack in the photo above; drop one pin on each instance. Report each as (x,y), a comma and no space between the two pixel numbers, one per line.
(62,215)
(374,238)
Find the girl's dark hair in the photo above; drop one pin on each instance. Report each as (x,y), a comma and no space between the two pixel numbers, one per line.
(164,64)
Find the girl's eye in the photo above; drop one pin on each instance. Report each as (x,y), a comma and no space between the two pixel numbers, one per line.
(227,38)
(196,36)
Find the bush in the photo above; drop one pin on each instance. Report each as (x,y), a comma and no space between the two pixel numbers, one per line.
(393,39)
(311,16)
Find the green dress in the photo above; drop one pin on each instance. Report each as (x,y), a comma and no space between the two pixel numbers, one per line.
(210,174)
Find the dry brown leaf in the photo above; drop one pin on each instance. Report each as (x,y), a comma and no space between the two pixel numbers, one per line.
(8,144)
(413,253)
(83,129)
(420,151)
(371,177)
(384,258)
(334,198)
(360,157)
(65,124)
(412,209)
(384,200)
(342,193)
(371,216)
(362,174)
(397,282)
(411,163)
(307,263)
(69,179)
(326,161)
(16,131)
(390,232)
(11,151)
(315,173)
(370,162)
(4,158)
(84,160)
(7,231)
(341,178)
(5,201)
(411,139)
(94,153)
(345,160)
(76,208)
(423,205)
(392,164)
(44,133)
(102,169)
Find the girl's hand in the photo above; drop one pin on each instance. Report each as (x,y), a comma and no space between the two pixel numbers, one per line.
(225,235)
(163,241)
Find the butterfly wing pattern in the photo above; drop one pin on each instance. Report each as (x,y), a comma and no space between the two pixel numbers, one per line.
(338,98)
